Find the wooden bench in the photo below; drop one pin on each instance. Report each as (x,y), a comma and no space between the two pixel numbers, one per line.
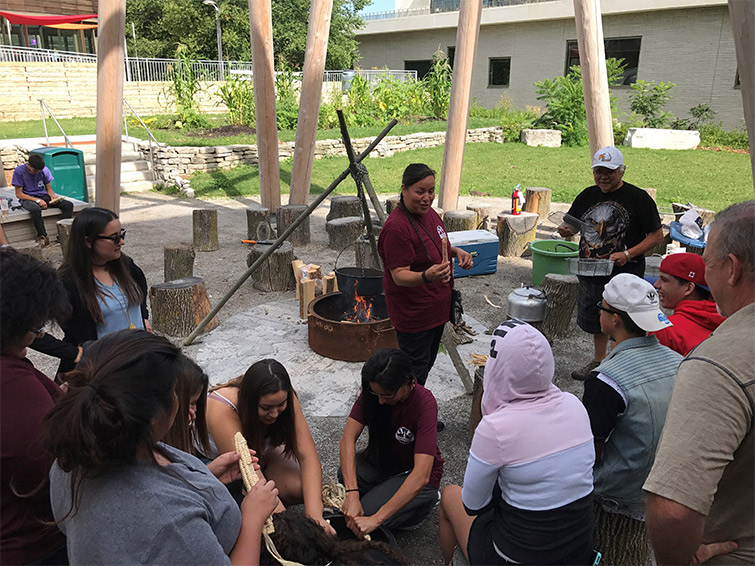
(19,227)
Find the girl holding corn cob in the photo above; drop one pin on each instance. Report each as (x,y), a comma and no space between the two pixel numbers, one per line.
(119,494)
(263,406)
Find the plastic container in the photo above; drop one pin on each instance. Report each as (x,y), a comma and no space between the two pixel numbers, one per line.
(484,249)
(67,167)
(549,256)
(589,267)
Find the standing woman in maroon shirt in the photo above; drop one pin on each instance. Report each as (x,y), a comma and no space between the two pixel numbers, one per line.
(30,295)
(417,282)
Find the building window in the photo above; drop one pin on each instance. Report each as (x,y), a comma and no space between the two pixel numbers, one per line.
(451,55)
(736,80)
(627,48)
(499,71)
(422,67)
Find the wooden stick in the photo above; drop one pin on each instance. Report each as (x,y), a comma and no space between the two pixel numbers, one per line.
(444,248)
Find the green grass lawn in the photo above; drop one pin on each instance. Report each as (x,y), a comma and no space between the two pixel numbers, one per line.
(706,178)
(175,137)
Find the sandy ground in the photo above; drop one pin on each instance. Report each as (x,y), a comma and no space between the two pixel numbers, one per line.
(153,219)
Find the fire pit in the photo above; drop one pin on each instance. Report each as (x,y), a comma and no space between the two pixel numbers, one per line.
(349,329)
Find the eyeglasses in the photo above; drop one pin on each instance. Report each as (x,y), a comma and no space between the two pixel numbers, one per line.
(605,171)
(115,239)
(384,396)
(601,307)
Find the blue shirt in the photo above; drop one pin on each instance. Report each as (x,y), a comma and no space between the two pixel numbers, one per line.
(32,185)
(116,311)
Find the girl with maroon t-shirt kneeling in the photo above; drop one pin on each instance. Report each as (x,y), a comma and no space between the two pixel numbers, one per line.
(393,482)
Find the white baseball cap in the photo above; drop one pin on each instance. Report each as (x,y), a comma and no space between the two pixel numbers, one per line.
(637,298)
(608,157)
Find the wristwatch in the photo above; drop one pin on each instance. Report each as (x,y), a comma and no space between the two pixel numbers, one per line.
(626,253)
(37,201)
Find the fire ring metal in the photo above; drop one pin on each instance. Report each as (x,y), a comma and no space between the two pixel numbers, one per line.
(333,337)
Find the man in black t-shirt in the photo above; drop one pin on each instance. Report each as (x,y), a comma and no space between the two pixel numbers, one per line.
(620,222)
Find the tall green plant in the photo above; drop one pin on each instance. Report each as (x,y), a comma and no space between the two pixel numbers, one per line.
(565,100)
(238,95)
(361,109)
(438,83)
(399,99)
(183,85)
(648,99)
(287,99)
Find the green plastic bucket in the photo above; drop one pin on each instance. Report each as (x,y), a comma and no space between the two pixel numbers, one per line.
(549,256)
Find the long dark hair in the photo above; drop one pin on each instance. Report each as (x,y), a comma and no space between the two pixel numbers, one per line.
(299,539)
(30,294)
(190,380)
(263,378)
(88,224)
(390,369)
(414,173)
(105,419)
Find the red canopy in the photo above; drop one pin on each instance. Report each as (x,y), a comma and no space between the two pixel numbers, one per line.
(27,20)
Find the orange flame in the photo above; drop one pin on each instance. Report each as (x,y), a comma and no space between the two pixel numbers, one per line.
(362,309)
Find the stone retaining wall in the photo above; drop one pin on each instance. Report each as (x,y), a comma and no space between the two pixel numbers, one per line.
(171,162)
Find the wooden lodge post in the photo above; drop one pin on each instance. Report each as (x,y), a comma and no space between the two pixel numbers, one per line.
(458,109)
(309,106)
(592,60)
(261,30)
(742,17)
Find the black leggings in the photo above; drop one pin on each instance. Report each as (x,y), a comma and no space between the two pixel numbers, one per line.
(422,348)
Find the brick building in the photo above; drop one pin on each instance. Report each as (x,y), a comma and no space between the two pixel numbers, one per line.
(63,37)
(686,42)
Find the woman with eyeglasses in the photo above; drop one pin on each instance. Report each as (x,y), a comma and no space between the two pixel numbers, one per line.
(394,482)
(107,290)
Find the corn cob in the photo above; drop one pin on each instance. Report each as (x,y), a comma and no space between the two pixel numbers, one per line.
(245,461)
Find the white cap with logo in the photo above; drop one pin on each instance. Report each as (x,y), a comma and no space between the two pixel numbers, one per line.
(608,157)
(637,298)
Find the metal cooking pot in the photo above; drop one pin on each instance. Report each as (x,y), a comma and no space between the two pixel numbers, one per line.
(527,304)
(363,281)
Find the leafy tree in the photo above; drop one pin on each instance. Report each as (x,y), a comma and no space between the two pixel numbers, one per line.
(163,25)
(648,99)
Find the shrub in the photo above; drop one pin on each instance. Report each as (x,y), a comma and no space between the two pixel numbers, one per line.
(513,120)
(713,135)
(238,96)
(361,107)
(648,99)
(400,99)
(287,100)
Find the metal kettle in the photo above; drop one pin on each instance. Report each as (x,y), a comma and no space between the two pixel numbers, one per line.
(527,304)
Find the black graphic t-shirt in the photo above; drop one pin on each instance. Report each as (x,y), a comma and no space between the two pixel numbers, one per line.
(615,222)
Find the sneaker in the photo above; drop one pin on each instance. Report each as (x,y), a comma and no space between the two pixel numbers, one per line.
(42,241)
(584,373)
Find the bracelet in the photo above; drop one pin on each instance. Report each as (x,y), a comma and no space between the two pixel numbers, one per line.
(424,277)
(626,253)
(349,490)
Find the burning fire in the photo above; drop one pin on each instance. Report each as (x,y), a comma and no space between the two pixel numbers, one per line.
(362,311)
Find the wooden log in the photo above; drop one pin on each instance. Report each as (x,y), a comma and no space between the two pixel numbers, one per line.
(475,414)
(483,211)
(592,59)
(30,248)
(706,214)
(453,353)
(391,203)
(652,192)
(286,216)
(205,228)
(343,232)
(561,293)
(467,32)
(314,272)
(273,274)
(179,306)
(64,234)
(263,70)
(660,249)
(296,266)
(309,101)
(458,220)
(111,43)
(538,199)
(742,18)
(178,260)
(363,255)
(344,206)
(329,283)
(258,224)
(306,295)
(515,232)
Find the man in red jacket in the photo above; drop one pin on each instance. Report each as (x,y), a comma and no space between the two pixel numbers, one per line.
(681,287)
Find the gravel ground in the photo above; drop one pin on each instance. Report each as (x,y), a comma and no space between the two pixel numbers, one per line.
(153,220)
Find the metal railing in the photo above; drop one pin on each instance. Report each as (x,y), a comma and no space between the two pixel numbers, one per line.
(441,6)
(150,136)
(42,107)
(153,69)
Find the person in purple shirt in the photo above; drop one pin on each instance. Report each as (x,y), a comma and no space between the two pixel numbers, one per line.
(32,183)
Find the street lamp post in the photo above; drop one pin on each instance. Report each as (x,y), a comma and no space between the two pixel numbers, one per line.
(220,38)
